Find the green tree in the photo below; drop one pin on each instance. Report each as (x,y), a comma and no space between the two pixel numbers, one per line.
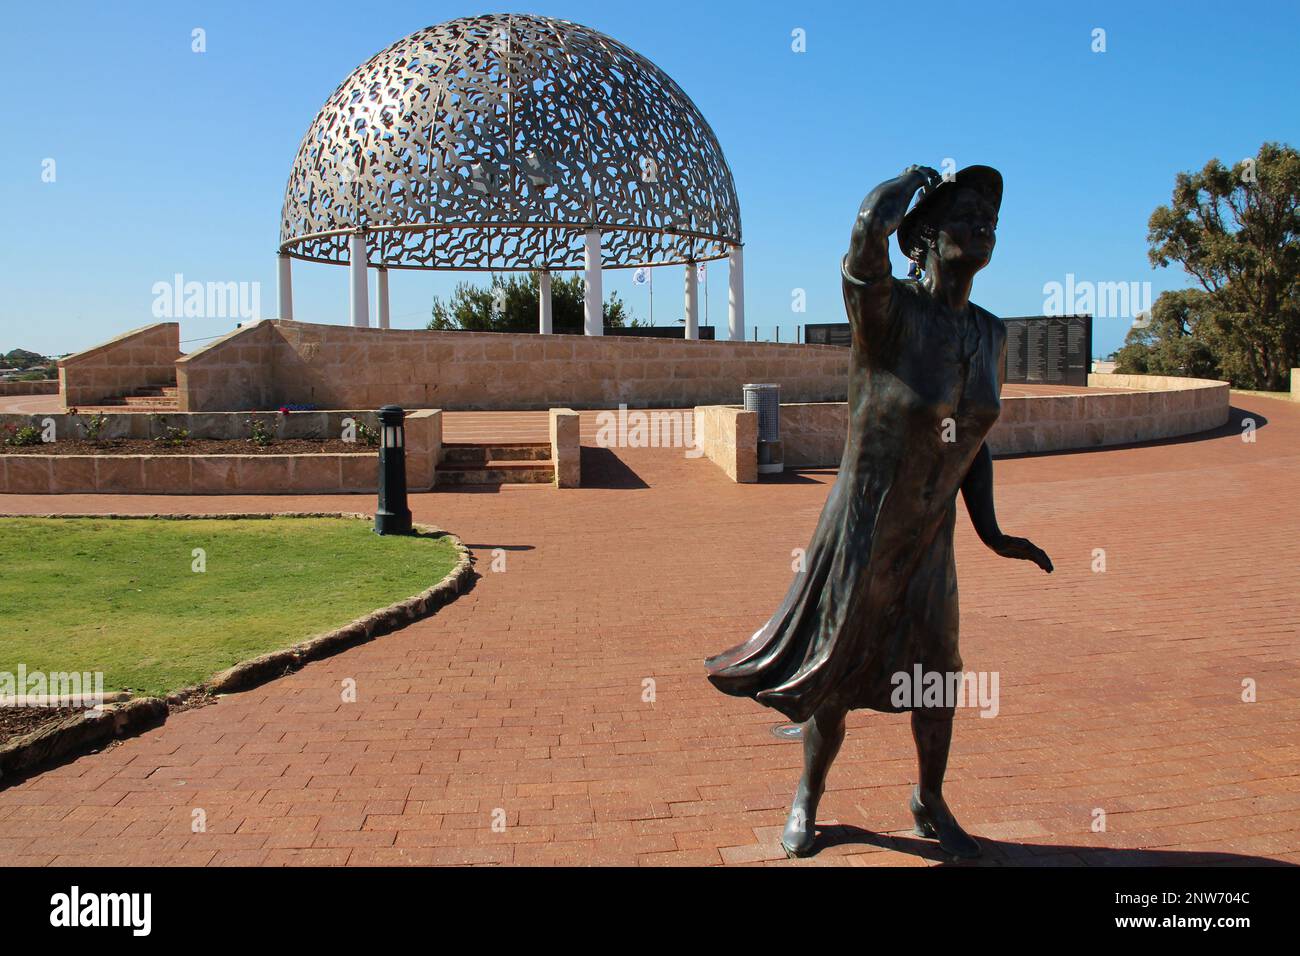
(1169,344)
(21,358)
(1237,233)
(510,303)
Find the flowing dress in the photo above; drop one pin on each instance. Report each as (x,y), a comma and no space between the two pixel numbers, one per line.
(878,592)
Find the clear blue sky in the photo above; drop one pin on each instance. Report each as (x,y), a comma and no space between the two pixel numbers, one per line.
(170,161)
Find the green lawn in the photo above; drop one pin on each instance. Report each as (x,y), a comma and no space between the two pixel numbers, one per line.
(121,596)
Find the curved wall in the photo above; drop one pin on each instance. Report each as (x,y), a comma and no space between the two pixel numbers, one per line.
(1134,408)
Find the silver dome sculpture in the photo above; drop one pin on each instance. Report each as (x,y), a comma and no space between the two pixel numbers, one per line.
(510,142)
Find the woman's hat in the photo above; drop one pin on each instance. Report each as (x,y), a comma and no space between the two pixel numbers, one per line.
(983,179)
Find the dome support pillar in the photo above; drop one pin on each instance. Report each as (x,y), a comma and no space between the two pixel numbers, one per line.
(357,276)
(544,302)
(692,301)
(593,320)
(381,296)
(736,294)
(284,287)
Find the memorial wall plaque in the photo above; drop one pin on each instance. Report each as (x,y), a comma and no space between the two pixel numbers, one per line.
(1048,350)
(828,333)
(1041,349)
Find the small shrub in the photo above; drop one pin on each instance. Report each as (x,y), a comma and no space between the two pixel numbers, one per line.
(171,435)
(93,426)
(258,432)
(367,435)
(26,435)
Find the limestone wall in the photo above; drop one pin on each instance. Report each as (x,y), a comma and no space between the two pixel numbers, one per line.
(232,373)
(143,358)
(336,366)
(48,386)
(566,448)
(1150,407)
(1146,408)
(728,436)
(200,474)
(188,474)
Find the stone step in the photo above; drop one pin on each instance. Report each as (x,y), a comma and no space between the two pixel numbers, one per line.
(474,453)
(496,472)
(140,403)
(157,398)
(164,388)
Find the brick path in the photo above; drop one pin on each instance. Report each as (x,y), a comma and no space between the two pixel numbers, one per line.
(1120,691)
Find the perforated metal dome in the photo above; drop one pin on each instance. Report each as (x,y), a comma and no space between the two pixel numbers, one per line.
(492,142)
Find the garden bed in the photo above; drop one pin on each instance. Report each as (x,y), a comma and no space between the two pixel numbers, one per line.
(19,721)
(193,446)
(209,453)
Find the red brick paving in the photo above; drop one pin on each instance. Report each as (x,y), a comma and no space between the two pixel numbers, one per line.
(1120,691)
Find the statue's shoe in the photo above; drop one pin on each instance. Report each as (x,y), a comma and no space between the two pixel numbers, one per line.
(952,838)
(799,836)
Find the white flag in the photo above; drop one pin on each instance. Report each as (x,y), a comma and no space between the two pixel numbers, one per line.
(699,271)
(641,276)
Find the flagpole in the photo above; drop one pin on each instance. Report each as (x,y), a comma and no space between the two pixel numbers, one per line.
(650,280)
(704,267)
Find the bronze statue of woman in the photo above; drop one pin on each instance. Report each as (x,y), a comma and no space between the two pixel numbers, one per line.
(878,594)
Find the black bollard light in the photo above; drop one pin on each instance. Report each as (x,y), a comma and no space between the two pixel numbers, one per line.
(393,515)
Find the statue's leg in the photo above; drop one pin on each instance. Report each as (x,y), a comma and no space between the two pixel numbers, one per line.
(822,736)
(932,731)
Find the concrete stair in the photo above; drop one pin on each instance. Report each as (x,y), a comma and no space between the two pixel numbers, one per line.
(495,463)
(150,398)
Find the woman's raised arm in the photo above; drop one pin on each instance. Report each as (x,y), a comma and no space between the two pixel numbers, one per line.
(866,266)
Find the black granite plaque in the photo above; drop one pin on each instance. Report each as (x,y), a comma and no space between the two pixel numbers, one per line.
(1048,350)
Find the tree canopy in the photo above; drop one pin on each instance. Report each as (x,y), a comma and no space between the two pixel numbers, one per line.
(22,358)
(1236,231)
(510,304)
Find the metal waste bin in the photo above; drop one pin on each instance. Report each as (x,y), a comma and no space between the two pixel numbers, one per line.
(766,401)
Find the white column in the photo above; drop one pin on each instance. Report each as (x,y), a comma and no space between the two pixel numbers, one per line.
(284,287)
(736,294)
(692,302)
(544,302)
(593,320)
(357,270)
(381,296)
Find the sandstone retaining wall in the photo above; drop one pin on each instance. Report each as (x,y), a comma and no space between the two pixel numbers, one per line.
(1145,408)
(143,358)
(48,386)
(728,437)
(232,373)
(336,366)
(268,473)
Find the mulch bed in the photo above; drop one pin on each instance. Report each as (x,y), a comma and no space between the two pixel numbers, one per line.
(194,446)
(19,721)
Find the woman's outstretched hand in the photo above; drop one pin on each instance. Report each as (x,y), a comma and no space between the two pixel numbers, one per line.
(1024,549)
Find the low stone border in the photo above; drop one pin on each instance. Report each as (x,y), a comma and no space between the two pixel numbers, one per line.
(85,732)
(566,447)
(728,436)
(223,474)
(40,386)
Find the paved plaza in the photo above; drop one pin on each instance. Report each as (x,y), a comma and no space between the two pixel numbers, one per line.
(524,701)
